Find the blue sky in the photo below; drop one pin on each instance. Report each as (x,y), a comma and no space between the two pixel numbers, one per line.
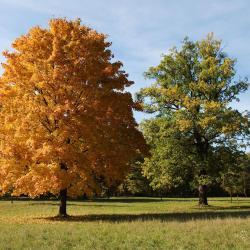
(141,30)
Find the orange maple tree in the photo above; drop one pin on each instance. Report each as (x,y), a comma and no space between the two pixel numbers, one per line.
(66,120)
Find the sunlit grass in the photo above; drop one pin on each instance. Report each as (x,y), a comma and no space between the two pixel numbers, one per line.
(133,223)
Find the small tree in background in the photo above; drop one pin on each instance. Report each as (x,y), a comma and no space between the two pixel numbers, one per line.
(231,182)
(66,121)
(245,175)
(135,183)
(236,178)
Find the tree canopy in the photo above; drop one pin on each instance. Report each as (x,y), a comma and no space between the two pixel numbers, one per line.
(193,88)
(66,121)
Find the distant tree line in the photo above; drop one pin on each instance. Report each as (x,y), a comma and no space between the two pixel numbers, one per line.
(231,183)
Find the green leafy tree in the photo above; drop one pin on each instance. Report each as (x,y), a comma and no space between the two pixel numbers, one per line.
(231,174)
(165,169)
(194,86)
(246,175)
(236,178)
(136,183)
(231,182)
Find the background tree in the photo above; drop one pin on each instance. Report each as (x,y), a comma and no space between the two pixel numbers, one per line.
(231,182)
(195,85)
(165,169)
(135,182)
(66,121)
(235,179)
(246,174)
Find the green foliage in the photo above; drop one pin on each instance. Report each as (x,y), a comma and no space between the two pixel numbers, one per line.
(191,95)
(165,168)
(231,182)
(236,178)
(135,183)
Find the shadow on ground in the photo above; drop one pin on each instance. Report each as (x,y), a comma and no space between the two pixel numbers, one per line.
(93,204)
(222,208)
(90,204)
(123,200)
(153,216)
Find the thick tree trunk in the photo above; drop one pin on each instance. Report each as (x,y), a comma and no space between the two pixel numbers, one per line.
(202,195)
(63,203)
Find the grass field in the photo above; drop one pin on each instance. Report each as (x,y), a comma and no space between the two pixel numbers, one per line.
(132,223)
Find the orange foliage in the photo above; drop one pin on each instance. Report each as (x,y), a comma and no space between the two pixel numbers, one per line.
(63,102)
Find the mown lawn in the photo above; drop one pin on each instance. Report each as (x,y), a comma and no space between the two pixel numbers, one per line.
(132,223)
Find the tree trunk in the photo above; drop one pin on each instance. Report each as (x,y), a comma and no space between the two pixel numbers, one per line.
(245,192)
(63,200)
(202,195)
(244,184)
(63,193)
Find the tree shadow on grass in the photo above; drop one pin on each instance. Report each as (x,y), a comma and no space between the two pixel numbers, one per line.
(182,217)
(223,208)
(74,204)
(128,200)
(244,200)
(109,200)
(216,208)
(93,204)
(157,199)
